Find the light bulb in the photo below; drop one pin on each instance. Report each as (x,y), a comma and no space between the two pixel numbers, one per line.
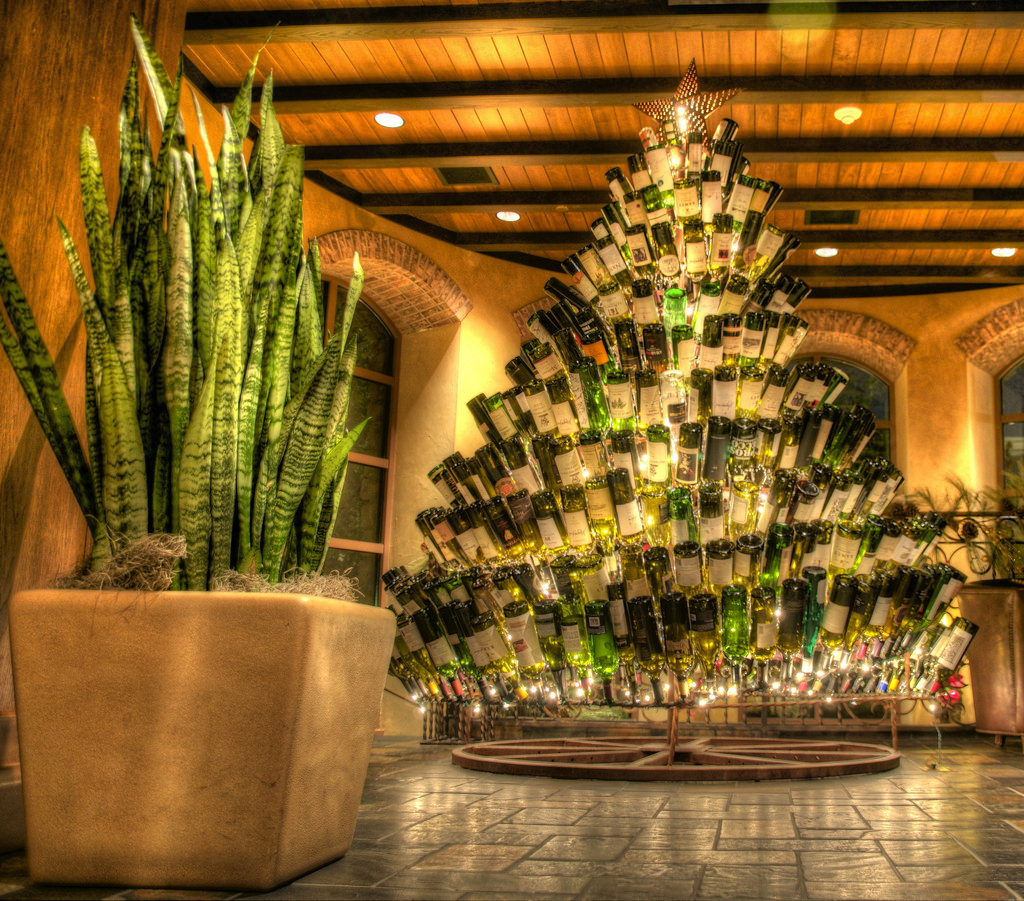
(389,120)
(508,215)
(1003,251)
(826,252)
(847,114)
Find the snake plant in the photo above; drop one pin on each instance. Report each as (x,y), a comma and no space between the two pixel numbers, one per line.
(215,405)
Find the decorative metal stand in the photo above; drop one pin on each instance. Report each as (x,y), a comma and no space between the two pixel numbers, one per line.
(695,760)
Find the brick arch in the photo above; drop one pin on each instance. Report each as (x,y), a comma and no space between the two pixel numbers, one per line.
(997,340)
(407,286)
(860,338)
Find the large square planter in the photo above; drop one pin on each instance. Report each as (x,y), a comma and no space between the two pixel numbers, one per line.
(189,739)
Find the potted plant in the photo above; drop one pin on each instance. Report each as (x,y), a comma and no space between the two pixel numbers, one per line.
(195,737)
(985,530)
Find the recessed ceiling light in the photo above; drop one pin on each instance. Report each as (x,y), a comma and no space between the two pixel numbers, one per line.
(389,120)
(1003,251)
(508,215)
(826,251)
(847,114)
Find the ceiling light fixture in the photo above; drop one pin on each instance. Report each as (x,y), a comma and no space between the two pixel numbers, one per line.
(826,251)
(1003,251)
(389,120)
(847,114)
(508,215)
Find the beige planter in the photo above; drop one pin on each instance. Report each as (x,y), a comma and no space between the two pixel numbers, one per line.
(193,739)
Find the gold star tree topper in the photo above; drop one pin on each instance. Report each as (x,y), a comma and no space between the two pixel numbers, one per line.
(687,106)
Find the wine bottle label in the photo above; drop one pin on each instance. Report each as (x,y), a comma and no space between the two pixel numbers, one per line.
(440,652)
(614,305)
(769,244)
(696,256)
(767,634)
(739,507)
(785,562)
(595,625)
(844,551)
(732,302)
(677,647)
(867,563)
(612,259)
(570,469)
(490,644)
(479,486)
(739,201)
(723,398)
(525,641)
(887,547)
(637,588)
(545,623)
(799,393)
(599,503)
(710,356)
(505,486)
(503,423)
(750,345)
(771,341)
(577,527)
(525,477)
(443,532)
(649,405)
(660,167)
(702,618)
(483,540)
(788,456)
(711,528)
(571,638)
(620,400)
(639,250)
(684,354)
(668,265)
(834,618)
(721,163)
(549,532)
(617,614)
(624,461)
(687,200)
(686,466)
(786,347)
(460,593)
(547,366)
(543,414)
(742,565)
(836,504)
(721,248)
(592,458)
(411,607)
(720,571)
(596,585)
(444,490)
(597,350)
(851,500)
(680,531)
(956,646)
(645,310)
(881,612)
(468,542)
(657,461)
(411,636)
(628,517)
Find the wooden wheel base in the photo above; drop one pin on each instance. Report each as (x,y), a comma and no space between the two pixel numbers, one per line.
(697,760)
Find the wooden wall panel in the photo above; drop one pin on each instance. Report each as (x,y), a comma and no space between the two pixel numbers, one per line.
(64,66)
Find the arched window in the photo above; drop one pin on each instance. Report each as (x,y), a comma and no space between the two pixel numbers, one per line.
(360,538)
(870,391)
(1011,419)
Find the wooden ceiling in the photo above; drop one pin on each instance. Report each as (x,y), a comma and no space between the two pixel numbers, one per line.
(541,94)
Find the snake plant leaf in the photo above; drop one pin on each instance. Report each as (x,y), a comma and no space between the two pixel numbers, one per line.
(37,374)
(205,250)
(355,290)
(270,146)
(241,108)
(99,238)
(177,346)
(196,520)
(234,179)
(309,337)
(227,375)
(124,486)
(302,452)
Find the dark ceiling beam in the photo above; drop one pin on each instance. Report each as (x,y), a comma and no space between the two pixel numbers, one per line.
(909,274)
(369,98)
(580,153)
(442,202)
(849,239)
(588,17)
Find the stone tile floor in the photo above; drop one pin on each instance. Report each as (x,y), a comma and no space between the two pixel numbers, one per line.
(941,826)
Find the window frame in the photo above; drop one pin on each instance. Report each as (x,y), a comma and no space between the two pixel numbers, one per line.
(386,464)
(1002,419)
